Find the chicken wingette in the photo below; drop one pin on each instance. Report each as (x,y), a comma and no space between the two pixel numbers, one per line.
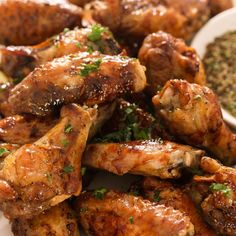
(40,175)
(166,58)
(103,213)
(83,78)
(27,22)
(60,220)
(150,157)
(192,113)
(18,61)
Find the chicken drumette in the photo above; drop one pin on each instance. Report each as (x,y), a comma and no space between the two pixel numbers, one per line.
(192,113)
(125,215)
(166,58)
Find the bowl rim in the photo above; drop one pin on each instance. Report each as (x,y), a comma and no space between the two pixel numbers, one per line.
(201,40)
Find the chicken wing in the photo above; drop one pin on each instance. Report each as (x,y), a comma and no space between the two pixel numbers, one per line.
(27,22)
(84,78)
(219,207)
(166,193)
(140,18)
(18,62)
(45,173)
(125,215)
(152,157)
(166,58)
(192,113)
(58,221)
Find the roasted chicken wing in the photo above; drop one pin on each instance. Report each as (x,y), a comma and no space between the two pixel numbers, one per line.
(151,157)
(27,22)
(58,221)
(45,173)
(125,215)
(166,58)
(140,18)
(219,206)
(192,113)
(166,193)
(84,78)
(18,62)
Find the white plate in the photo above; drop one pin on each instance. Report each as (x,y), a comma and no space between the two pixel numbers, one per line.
(216,27)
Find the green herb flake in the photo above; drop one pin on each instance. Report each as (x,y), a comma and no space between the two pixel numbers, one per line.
(198,97)
(68,128)
(17,80)
(86,69)
(83,171)
(156,197)
(100,193)
(96,33)
(217,187)
(49,177)
(131,220)
(64,142)
(3,151)
(78,45)
(68,169)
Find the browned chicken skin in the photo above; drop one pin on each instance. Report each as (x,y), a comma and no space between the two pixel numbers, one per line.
(83,78)
(140,18)
(80,3)
(27,22)
(118,214)
(192,113)
(166,193)
(218,6)
(18,62)
(58,221)
(166,58)
(45,173)
(219,206)
(150,157)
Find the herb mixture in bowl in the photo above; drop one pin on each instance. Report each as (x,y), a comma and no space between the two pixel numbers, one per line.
(220,65)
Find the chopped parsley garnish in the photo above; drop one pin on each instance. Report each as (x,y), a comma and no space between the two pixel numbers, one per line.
(68,169)
(65,142)
(217,187)
(49,177)
(131,220)
(100,193)
(68,128)
(3,151)
(78,45)
(156,197)
(83,171)
(90,49)
(96,33)
(86,69)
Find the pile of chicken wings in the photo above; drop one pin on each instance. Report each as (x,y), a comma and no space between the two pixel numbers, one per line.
(111,85)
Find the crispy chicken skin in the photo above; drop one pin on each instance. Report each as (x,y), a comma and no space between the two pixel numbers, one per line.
(24,129)
(27,22)
(218,6)
(45,173)
(125,215)
(166,58)
(150,157)
(166,193)
(85,78)
(140,18)
(58,221)
(192,113)
(219,206)
(19,61)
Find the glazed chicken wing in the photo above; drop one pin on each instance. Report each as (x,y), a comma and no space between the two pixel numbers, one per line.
(192,113)
(19,61)
(45,173)
(219,206)
(166,58)
(58,221)
(85,78)
(152,157)
(118,214)
(140,18)
(166,193)
(27,22)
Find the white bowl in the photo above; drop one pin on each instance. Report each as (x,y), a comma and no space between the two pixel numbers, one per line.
(216,27)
